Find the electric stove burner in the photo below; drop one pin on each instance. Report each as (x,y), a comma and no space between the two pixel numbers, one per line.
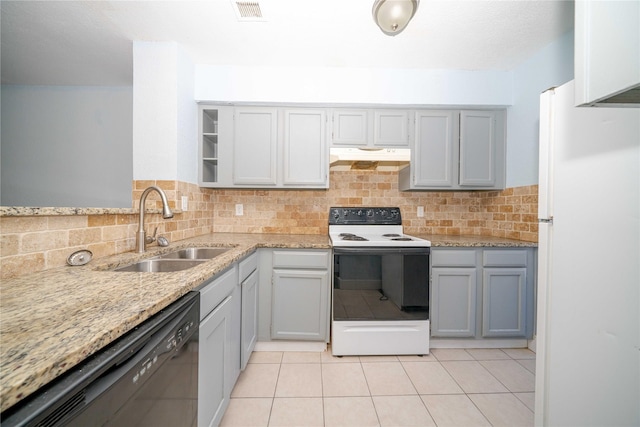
(404,239)
(391,235)
(348,236)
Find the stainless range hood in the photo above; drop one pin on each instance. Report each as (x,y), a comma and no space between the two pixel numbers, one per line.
(369,158)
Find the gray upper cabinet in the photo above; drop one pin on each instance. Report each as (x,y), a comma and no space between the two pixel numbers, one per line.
(255,146)
(478,149)
(270,147)
(306,159)
(263,147)
(350,128)
(456,150)
(435,149)
(391,128)
(370,128)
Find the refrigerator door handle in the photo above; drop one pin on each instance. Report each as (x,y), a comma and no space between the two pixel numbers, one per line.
(546,220)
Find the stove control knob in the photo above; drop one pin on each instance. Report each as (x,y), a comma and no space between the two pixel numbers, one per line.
(360,212)
(370,212)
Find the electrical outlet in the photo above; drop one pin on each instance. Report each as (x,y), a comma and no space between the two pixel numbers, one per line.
(239,209)
(185,203)
(420,211)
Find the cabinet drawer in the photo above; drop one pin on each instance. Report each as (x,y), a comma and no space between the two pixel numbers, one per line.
(453,258)
(217,290)
(301,259)
(247,266)
(505,258)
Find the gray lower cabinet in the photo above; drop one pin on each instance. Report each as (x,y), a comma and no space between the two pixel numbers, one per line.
(504,300)
(217,336)
(453,302)
(301,294)
(482,292)
(249,284)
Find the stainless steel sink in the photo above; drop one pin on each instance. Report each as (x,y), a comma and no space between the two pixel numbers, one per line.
(195,253)
(156,265)
(181,259)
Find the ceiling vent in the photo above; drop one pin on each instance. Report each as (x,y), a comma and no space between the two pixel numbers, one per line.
(248,10)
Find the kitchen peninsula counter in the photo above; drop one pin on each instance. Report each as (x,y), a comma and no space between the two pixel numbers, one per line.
(54,319)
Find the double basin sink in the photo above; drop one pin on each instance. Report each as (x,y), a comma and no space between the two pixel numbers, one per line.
(178,260)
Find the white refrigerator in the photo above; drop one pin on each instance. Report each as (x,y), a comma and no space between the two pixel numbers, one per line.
(588,300)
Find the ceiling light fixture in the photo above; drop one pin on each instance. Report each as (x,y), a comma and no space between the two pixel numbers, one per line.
(392,16)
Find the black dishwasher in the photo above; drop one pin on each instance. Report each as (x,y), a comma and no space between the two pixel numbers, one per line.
(148,377)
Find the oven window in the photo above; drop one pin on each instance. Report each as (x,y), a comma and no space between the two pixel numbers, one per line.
(381,286)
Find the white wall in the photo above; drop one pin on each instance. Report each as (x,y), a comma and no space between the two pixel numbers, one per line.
(551,66)
(353,86)
(66,146)
(187,136)
(164,113)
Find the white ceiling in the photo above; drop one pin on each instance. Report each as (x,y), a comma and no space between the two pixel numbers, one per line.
(90,42)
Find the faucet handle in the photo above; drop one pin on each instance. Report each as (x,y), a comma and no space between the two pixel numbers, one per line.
(163,241)
(151,239)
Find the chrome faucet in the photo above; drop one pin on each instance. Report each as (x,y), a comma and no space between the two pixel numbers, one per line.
(141,235)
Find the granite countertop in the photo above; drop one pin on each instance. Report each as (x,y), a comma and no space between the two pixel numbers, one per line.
(48,211)
(441,240)
(54,319)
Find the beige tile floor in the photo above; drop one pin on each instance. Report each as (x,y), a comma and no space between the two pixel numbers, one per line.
(449,387)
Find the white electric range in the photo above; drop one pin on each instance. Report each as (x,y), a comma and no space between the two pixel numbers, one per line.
(380,299)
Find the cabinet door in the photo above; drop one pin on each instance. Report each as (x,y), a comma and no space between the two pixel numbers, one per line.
(213,364)
(435,149)
(234,366)
(255,146)
(477,149)
(504,302)
(300,304)
(249,316)
(453,302)
(391,128)
(350,128)
(607,51)
(305,148)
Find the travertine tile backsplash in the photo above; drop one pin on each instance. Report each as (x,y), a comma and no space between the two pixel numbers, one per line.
(34,243)
(511,213)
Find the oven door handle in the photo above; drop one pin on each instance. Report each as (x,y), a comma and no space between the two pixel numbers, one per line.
(381,250)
